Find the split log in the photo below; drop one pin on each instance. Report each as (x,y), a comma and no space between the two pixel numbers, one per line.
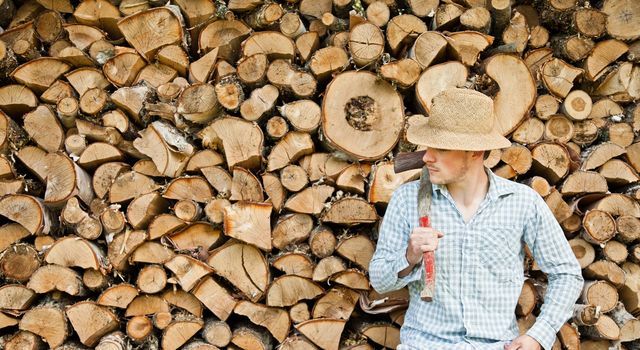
(102,321)
(243,266)
(48,322)
(54,277)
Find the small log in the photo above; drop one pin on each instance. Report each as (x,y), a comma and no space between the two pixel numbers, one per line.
(146,305)
(290,229)
(245,186)
(605,270)
(274,319)
(214,210)
(304,115)
(293,178)
(582,182)
(94,280)
(585,315)
(617,25)
(292,147)
(286,76)
(476,19)
(35,123)
(122,69)
(220,180)
(161,136)
(438,78)
(24,340)
(12,233)
(325,333)
(170,32)
(599,226)
(274,190)
(193,188)
(216,332)
(139,328)
(403,73)
(297,264)
(618,173)
(48,322)
(151,279)
(102,321)
(178,332)
(183,300)
(583,250)
(322,241)
(223,132)
(251,337)
(16,297)
(215,297)
(19,262)
(327,267)
(600,293)
(151,253)
(187,270)
(629,325)
(605,328)
(249,222)
(467,46)
(628,228)
(119,296)
(242,265)
(598,155)
(299,313)
(338,302)
(260,104)
(573,48)
(144,208)
(225,35)
(307,44)
(558,76)
(310,200)
(54,277)
(28,211)
(16,100)
(123,245)
(349,211)
(288,290)
(40,73)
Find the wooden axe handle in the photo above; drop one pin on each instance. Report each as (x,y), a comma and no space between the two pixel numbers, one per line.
(429,259)
(404,161)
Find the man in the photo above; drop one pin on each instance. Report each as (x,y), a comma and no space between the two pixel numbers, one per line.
(480,225)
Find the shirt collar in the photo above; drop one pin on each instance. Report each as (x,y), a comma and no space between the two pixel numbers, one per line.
(498,186)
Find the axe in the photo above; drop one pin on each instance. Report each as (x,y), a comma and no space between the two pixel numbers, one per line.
(413,160)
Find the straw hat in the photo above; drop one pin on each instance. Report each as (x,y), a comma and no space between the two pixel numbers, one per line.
(460,119)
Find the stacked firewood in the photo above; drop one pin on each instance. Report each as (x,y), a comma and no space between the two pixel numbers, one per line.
(211,174)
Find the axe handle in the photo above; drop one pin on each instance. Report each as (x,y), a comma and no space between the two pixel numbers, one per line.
(429,259)
(404,161)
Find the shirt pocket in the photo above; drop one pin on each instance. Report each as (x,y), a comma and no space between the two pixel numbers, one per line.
(499,254)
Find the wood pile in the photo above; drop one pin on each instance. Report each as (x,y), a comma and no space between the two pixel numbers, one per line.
(204,174)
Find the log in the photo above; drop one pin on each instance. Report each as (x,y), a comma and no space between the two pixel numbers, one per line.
(243,266)
(102,321)
(48,322)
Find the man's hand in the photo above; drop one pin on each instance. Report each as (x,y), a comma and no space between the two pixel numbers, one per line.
(422,239)
(523,342)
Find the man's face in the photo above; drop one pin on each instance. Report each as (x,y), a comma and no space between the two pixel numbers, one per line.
(446,166)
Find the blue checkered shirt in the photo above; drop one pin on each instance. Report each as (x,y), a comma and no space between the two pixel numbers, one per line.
(479,268)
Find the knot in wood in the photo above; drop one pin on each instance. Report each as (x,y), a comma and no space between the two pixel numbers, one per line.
(362,112)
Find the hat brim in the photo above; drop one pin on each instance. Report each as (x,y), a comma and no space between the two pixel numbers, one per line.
(444,139)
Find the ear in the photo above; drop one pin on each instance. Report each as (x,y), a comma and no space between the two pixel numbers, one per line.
(478,154)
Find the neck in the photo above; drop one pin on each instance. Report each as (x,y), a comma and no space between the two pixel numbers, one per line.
(471,189)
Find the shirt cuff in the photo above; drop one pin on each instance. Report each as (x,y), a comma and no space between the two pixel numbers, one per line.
(403,263)
(543,333)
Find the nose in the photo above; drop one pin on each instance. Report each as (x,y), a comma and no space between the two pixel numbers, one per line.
(428,156)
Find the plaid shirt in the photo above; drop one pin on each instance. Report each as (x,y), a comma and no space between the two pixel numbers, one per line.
(479,268)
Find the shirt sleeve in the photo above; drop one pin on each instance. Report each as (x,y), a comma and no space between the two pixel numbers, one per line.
(553,254)
(390,255)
